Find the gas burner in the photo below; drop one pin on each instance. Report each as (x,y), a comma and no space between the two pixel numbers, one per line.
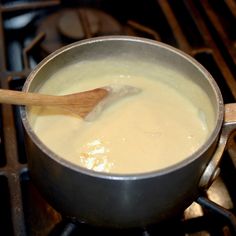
(69,25)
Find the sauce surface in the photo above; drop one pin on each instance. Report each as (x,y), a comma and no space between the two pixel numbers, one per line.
(148,131)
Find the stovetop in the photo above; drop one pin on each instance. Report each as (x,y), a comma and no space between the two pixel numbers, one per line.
(30,30)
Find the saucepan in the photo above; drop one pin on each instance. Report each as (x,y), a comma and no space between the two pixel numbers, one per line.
(127,200)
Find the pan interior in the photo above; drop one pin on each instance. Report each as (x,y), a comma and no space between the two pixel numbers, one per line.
(129,60)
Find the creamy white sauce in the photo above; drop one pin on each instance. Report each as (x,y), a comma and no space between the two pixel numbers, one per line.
(161,126)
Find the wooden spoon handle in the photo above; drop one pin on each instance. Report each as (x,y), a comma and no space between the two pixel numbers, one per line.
(25,98)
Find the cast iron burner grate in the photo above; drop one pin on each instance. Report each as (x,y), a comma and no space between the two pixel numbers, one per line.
(202,28)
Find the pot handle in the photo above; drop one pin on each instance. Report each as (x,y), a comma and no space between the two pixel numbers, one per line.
(212,170)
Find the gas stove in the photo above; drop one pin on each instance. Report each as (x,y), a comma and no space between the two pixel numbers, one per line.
(30,30)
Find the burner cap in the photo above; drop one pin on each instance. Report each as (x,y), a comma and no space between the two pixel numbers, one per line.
(69,25)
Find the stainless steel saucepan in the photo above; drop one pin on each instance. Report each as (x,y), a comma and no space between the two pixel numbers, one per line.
(116,200)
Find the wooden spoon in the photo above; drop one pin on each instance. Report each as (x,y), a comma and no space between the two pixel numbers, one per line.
(87,104)
(78,103)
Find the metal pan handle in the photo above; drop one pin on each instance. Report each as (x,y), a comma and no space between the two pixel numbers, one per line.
(212,170)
